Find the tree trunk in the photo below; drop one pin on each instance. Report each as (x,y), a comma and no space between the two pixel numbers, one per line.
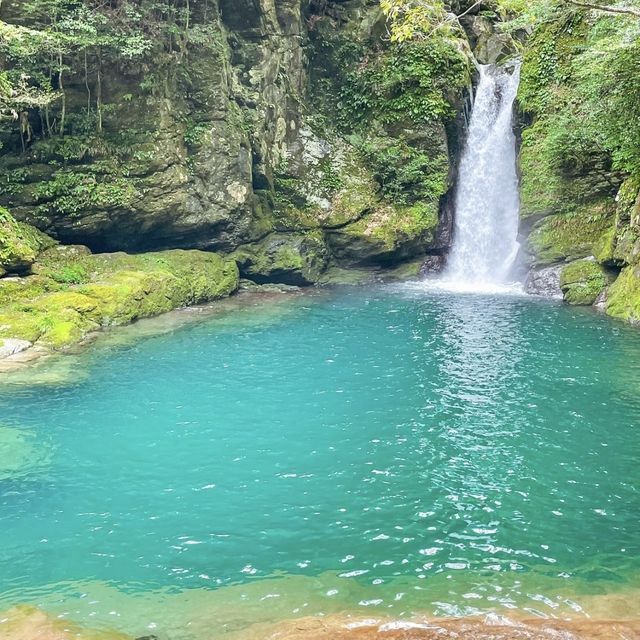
(63,115)
(99,94)
(86,83)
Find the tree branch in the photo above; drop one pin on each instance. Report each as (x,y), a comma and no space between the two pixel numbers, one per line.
(598,7)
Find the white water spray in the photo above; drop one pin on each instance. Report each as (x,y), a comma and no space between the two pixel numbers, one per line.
(487,201)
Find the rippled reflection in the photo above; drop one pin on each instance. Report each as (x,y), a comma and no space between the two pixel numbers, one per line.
(385,449)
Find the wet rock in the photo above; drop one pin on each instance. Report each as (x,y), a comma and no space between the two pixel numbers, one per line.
(286,258)
(11,346)
(544,282)
(623,296)
(431,266)
(74,292)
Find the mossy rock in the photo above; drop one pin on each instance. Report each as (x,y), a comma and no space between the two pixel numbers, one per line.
(297,259)
(583,281)
(74,292)
(627,241)
(563,237)
(20,243)
(387,235)
(327,186)
(623,296)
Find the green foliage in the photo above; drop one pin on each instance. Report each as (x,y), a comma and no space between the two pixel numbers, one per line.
(580,83)
(12,182)
(58,38)
(406,174)
(68,193)
(195,133)
(413,82)
(70,274)
(330,179)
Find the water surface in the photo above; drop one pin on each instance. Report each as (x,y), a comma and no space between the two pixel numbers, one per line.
(376,450)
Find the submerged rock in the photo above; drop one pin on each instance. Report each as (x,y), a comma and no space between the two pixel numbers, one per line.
(20,454)
(491,627)
(29,623)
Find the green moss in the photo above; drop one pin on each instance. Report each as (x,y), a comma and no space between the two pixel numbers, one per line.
(394,225)
(55,310)
(541,189)
(14,289)
(627,247)
(623,297)
(604,248)
(568,237)
(19,244)
(582,282)
(287,258)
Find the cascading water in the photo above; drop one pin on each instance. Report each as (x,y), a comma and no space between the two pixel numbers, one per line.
(487,201)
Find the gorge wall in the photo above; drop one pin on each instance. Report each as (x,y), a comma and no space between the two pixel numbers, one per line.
(291,135)
(580,158)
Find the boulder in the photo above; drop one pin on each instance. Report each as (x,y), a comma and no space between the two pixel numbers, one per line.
(287,258)
(583,281)
(74,292)
(19,244)
(544,282)
(11,346)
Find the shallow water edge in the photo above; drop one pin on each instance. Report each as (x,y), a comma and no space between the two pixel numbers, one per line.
(41,364)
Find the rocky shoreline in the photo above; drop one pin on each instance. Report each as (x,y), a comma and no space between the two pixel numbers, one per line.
(28,623)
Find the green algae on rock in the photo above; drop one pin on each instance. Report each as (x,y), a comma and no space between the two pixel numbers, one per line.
(20,454)
(19,244)
(293,258)
(561,237)
(27,622)
(385,235)
(623,296)
(583,281)
(74,292)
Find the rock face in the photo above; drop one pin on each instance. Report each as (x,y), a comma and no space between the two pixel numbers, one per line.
(544,282)
(71,292)
(580,195)
(254,142)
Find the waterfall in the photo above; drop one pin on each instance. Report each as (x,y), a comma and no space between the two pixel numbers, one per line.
(486,200)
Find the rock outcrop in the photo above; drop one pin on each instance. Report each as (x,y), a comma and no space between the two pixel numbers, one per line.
(271,134)
(70,292)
